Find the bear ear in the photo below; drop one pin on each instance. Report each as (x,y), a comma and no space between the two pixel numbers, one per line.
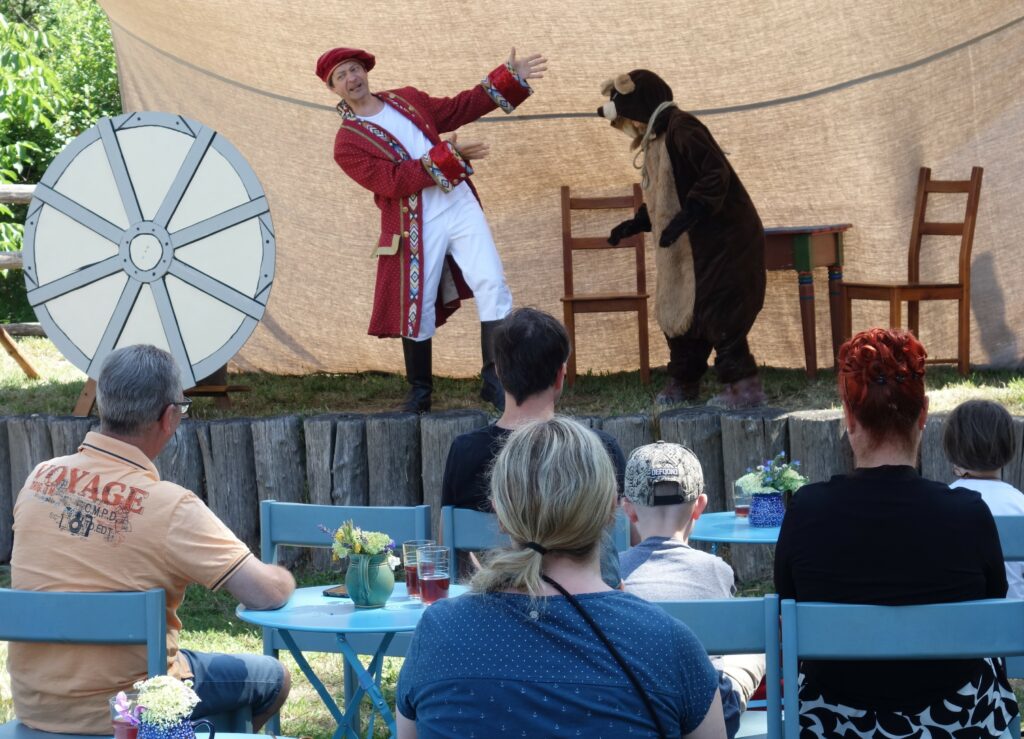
(606,88)
(624,84)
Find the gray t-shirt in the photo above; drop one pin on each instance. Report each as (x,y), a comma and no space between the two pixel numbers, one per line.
(659,568)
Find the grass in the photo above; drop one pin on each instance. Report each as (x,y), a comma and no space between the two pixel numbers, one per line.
(601,395)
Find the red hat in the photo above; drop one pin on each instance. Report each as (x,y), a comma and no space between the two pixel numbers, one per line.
(330,59)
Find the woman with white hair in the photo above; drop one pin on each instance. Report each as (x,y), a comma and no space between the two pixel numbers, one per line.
(542,646)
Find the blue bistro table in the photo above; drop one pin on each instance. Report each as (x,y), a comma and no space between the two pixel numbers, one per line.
(728,528)
(308,610)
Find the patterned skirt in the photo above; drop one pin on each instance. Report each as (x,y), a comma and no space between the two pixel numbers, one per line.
(981,709)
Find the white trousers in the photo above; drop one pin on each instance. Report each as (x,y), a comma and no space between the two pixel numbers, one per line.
(462,231)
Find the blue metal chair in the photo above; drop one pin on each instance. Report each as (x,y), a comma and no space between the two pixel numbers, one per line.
(464,529)
(84,618)
(1011,539)
(94,618)
(967,630)
(298,524)
(740,626)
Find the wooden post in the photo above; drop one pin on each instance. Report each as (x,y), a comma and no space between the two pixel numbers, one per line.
(350,471)
(15,353)
(748,439)
(934,465)
(818,440)
(437,431)
(280,469)
(67,433)
(699,429)
(318,432)
(28,439)
(230,467)
(630,431)
(6,496)
(393,455)
(86,399)
(181,460)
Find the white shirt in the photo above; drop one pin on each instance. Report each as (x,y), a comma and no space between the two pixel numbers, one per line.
(1003,499)
(435,200)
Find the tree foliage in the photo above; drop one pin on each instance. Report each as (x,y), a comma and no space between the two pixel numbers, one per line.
(58,74)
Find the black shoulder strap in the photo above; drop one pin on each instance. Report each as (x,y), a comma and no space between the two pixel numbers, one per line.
(614,652)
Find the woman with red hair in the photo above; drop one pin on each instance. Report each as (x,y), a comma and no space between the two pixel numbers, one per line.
(883,535)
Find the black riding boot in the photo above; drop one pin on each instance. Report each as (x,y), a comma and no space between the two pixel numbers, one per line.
(491,391)
(418,372)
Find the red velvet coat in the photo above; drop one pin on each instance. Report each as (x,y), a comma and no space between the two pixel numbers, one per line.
(376,160)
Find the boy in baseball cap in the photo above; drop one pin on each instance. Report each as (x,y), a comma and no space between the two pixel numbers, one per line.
(664,496)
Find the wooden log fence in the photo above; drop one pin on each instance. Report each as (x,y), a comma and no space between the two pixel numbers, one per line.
(398,458)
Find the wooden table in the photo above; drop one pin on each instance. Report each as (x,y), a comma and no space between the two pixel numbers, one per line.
(802,248)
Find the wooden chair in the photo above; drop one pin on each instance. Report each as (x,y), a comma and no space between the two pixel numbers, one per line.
(469,530)
(913,291)
(298,524)
(740,626)
(574,303)
(833,631)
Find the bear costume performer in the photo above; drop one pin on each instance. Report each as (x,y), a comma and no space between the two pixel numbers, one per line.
(711,274)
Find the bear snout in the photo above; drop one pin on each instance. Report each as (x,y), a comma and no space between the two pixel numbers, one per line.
(608,111)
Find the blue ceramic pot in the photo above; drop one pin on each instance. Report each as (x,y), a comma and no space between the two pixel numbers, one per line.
(369,580)
(766,510)
(184,729)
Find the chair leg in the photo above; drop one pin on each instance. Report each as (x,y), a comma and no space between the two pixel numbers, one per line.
(645,353)
(913,316)
(963,343)
(895,306)
(847,315)
(570,328)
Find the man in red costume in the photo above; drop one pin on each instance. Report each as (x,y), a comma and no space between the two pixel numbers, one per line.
(435,247)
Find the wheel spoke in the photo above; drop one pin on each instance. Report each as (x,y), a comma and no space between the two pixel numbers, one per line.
(217,290)
(115,157)
(219,222)
(115,325)
(79,213)
(183,179)
(74,281)
(172,331)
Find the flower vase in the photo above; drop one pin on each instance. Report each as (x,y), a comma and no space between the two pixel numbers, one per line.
(369,580)
(767,509)
(184,729)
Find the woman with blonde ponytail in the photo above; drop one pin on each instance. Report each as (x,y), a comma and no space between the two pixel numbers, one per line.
(542,644)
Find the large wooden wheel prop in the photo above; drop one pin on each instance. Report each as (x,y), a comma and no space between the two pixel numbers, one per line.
(149,228)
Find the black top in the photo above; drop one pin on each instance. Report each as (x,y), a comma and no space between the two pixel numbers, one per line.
(467,473)
(886,536)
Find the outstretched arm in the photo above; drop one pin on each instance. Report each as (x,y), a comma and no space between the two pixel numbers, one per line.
(443,166)
(506,87)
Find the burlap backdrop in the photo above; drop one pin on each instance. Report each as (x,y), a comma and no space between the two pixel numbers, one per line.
(826,109)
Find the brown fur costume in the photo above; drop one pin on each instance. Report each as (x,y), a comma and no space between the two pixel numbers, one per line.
(711,275)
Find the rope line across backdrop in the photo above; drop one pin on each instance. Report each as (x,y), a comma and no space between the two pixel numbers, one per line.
(561,116)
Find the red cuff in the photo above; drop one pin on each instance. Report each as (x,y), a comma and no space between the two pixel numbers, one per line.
(445,166)
(514,90)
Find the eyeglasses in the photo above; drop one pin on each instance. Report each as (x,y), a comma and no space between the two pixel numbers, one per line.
(183,406)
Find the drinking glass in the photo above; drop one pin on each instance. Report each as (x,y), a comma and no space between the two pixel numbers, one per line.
(741,501)
(412,581)
(433,572)
(123,729)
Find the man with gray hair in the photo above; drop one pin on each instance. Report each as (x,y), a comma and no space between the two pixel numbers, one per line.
(664,497)
(103,520)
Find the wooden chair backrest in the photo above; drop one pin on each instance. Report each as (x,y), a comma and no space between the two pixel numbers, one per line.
(964,229)
(572,243)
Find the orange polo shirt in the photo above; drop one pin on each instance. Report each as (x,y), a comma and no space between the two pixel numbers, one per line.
(103,520)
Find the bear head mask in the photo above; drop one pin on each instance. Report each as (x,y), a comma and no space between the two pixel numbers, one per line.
(632,98)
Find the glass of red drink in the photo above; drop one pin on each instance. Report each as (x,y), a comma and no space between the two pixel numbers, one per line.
(412,581)
(122,726)
(433,572)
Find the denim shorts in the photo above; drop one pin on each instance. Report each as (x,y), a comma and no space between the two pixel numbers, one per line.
(227,682)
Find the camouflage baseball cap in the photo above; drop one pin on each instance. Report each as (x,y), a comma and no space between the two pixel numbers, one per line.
(663,462)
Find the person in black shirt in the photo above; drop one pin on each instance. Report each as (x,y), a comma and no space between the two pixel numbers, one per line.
(883,535)
(530,350)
